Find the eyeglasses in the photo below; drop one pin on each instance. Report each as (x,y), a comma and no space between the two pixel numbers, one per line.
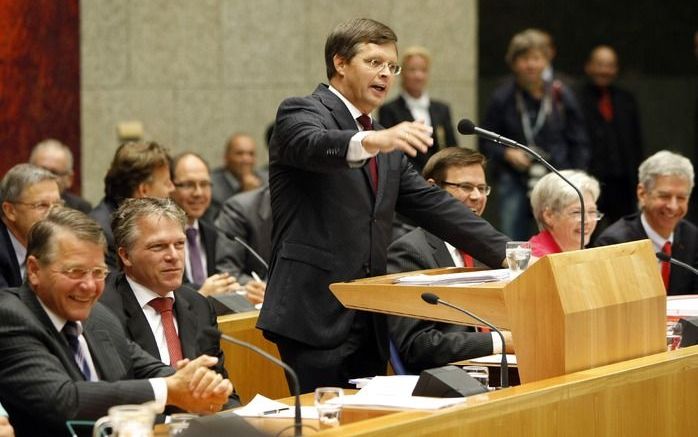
(40,206)
(193,185)
(468,188)
(590,215)
(81,274)
(378,65)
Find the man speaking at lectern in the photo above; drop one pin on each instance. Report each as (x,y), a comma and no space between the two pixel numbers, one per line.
(336,180)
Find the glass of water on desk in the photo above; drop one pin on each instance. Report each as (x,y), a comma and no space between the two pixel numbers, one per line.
(518,255)
(328,408)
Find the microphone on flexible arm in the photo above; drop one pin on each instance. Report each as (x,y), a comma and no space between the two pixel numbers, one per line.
(467,127)
(433,299)
(666,258)
(249,248)
(290,373)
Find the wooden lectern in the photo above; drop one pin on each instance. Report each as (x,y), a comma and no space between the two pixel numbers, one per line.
(567,312)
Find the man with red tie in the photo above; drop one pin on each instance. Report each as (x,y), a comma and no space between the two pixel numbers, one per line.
(424,344)
(336,181)
(663,191)
(168,320)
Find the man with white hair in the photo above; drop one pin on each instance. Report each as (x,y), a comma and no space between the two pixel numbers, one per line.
(663,191)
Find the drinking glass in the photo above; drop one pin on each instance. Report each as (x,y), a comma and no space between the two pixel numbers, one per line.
(179,422)
(518,255)
(127,421)
(328,408)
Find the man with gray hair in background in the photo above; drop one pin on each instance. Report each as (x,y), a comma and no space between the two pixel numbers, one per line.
(27,193)
(57,158)
(664,188)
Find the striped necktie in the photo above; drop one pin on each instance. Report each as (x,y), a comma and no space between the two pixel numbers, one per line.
(72,333)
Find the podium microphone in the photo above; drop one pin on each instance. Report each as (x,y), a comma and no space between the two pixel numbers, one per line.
(250,249)
(467,127)
(290,373)
(433,299)
(666,258)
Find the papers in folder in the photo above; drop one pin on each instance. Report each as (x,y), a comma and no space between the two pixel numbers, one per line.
(476,277)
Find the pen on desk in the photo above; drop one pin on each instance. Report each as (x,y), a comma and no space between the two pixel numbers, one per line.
(278,410)
(256,277)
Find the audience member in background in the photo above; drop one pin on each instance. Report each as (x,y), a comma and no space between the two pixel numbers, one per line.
(558,212)
(614,130)
(57,158)
(664,188)
(168,320)
(414,104)
(6,429)
(544,116)
(27,193)
(238,174)
(137,170)
(192,181)
(335,185)
(424,344)
(64,356)
(247,216)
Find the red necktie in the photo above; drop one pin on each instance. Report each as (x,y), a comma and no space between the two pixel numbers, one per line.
(605,105)
(163,306)
(467,259)
(666,267)
(365,122)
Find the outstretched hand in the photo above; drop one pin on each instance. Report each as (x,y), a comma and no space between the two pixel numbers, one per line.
(411,137)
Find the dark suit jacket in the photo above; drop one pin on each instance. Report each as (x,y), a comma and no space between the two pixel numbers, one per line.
(193,311)
(396,111)
(10,274)
(247,216)
(76,202)
(224,186)
(41,386)
(329,227)
(102,215)
(685,248)
(424,344)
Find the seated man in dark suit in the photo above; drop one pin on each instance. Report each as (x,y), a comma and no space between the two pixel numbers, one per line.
(138,170)
(168,320)
(27,193)
(192,193)
(64,356)
(57,158)
(424,344)
(414,103)
(664,188)
(247,216)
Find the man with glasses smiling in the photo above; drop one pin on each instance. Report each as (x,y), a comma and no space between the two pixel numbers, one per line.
(27,193)
(336,181)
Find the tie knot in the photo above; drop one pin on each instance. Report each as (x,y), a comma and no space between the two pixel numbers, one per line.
(71,328)
(667,248)
(192,233)
(162,304)
(365,122)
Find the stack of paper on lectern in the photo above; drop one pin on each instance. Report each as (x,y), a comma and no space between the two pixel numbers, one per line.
(475,277)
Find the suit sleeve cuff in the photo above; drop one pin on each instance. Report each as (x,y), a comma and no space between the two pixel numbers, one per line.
(496,343)
(356,154)
(160,390)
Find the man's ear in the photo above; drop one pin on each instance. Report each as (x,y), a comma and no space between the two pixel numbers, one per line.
(141,190)
(641,195)
(339,64)
(8,209)
(32,269)
(431,181)
(123,255)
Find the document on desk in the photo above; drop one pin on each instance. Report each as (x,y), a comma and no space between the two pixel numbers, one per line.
(396,392)
(682,306)
(262,406)
(465,278)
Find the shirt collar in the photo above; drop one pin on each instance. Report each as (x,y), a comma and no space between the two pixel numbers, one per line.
(355,113)
(143,294)
(421,102)
(57,321)
(657,240)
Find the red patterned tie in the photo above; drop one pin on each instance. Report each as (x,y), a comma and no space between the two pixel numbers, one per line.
(365,122)
(163,306)
(666,266)
(605,105)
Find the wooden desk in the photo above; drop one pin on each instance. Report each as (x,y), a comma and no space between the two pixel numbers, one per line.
(250,372)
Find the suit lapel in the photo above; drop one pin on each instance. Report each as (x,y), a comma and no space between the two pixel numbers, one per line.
(187,326)
(208,238)
(103,352)
(440,252)
(136,323)
(406,113)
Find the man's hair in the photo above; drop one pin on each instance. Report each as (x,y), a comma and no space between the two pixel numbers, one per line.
(125,219)
(437,166)
(175,161)
(665,163)
(553,193)
(21,177)
(233,138)
(133,164)
(412,51)
(42,242)
(52,144)
(345,39)
(529,39)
